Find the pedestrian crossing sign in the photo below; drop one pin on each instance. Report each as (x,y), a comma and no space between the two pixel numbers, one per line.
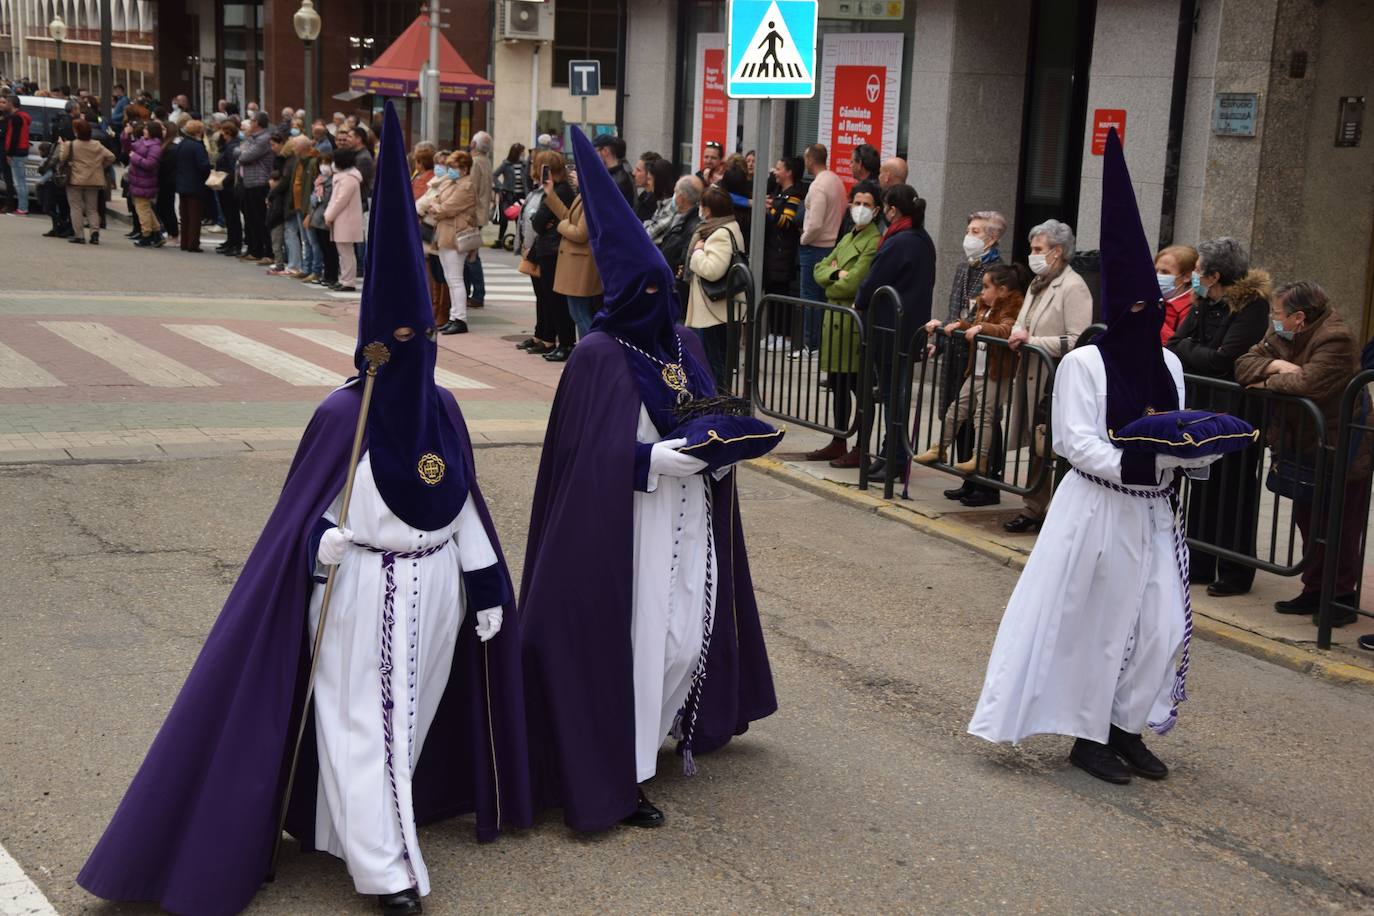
(772,49)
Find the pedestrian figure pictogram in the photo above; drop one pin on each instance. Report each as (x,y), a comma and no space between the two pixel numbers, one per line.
(772,48)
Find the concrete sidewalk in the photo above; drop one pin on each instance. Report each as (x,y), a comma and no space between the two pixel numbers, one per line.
(1247,622)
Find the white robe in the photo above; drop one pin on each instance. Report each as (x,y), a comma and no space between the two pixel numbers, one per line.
(1089,636)
(672,549)
(356,816)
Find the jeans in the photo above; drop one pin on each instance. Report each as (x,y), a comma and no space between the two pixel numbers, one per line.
(293,243)
(582,308)
(312,257)
(20,178)
(808,256)
(474,281)
(360,252)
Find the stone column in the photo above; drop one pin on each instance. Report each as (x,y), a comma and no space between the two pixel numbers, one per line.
(651,76)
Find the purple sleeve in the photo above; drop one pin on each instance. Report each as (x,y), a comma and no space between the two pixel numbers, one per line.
(642,452)
(1138,468)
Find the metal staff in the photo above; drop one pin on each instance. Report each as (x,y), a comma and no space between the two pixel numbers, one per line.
(376,355)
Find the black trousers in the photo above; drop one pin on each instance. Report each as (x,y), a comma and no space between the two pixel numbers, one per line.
(166,210)
(329,254)
(1224,510)
(557,321)
(716,341)
(253,204)
(233,220)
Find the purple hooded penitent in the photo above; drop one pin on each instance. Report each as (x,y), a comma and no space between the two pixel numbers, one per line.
(1138,380)
(576,593)
(195,830)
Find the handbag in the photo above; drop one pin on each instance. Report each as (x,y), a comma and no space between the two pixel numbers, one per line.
(719,289)
(468,240)
(1296,478)
(426,232)
(528,268)
(216,180)
(513,211)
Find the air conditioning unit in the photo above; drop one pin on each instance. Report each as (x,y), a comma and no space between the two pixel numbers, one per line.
(526,20)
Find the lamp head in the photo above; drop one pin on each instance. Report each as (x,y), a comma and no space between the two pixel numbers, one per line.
(57,29)
(306,21)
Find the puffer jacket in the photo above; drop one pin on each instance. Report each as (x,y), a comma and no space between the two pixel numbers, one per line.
(1214,335)
(144,155)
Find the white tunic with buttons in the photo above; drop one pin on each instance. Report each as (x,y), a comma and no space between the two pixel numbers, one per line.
(1092,629)
(358,818)
(672,549)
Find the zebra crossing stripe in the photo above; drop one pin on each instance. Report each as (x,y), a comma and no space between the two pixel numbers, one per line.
(128,355)
(285,366)
(18,371)
(345,343)
(18,895)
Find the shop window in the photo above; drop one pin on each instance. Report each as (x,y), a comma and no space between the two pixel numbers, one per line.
(586,30)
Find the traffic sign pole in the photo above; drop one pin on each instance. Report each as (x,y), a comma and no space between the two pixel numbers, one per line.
(763,161)
(584,114)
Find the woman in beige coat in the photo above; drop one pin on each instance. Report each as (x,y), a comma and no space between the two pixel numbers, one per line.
(717,238)
(455,212)
(1058,308)
(88,162)
(577,276)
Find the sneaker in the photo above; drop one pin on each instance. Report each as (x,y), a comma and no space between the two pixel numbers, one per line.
(21,212)
(279,272)
(775,343)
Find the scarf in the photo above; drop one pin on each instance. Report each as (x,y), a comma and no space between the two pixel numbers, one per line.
(708,226)
(902,224)
(1044,280)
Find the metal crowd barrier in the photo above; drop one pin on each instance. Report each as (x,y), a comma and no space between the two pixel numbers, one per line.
(1348,495)
(797,387)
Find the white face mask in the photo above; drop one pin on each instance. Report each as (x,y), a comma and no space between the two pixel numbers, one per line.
(973,246)
(326,169)
(861,214)
(1039,264)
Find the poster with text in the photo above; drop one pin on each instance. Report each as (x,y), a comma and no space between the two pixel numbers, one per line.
(715,115)
(861,79)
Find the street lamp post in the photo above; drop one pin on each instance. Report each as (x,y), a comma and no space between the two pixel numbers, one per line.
(57,31)
(307,23)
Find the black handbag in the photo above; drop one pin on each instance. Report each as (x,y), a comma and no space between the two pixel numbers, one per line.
(1296,478)
(426,231)
(719,289)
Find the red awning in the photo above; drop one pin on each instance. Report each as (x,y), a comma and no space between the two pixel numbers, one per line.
(397,72)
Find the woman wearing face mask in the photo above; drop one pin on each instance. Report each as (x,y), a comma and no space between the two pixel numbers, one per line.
(428,177)
(717,237)
(1057,309)
(454,212)
(1174,270)
(839,274)
(1229,315)
(319,204)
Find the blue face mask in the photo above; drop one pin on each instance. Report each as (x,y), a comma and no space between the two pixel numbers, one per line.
(440,172)
(1198,288)
(295,131)
(1167,282)
(1283,332)
(242,135)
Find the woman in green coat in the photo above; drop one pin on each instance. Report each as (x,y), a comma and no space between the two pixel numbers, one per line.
(840,274)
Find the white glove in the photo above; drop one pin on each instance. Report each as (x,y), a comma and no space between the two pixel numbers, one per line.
(488,623)
(665,459)
(1175,461)
(333,546)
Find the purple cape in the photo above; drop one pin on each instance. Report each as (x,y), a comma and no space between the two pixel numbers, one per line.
(575,601)
(194,831)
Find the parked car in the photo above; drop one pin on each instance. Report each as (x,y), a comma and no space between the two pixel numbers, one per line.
(45,113)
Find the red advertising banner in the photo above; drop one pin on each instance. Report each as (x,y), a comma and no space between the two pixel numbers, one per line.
(715,107)
(857,115)
(1104,119)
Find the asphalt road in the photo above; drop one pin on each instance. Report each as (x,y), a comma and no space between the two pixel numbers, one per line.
(861,794)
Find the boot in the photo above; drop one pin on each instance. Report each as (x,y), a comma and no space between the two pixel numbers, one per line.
(1131,749)
(835,449)
(977,465)
(932,455)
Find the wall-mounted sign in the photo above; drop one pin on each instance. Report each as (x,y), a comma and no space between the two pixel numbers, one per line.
(1104,119)
(863,9)
(860,83)
(1350,120)
(1235,114)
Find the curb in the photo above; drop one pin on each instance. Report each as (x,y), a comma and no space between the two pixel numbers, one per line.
(1234,637)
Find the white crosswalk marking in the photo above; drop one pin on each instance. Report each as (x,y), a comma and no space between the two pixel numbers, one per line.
(128,355)
(18,895)
(283,365)
(344,343)
(18,371)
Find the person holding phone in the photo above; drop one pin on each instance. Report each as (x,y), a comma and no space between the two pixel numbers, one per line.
(553,180)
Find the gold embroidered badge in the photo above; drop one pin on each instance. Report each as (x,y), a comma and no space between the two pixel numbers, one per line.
(431,468)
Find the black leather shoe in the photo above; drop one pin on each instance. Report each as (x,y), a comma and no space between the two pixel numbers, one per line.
(1138,757)
(1366,642)
(1100,761)
(455,326)
(1303,604)
(559,355)
(646,814)
(877,470)
(1223,589)
(1023,524)
(959,492)
(402,903)
(982,498)
(526,343)
(1339,616)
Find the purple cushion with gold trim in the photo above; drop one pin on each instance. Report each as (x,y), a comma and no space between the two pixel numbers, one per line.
(721,440)
(1186,433)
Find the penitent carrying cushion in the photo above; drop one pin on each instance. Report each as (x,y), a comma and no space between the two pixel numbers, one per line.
(1186,434)
(721,440)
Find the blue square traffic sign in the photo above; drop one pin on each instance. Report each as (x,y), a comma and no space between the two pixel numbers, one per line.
(772,49)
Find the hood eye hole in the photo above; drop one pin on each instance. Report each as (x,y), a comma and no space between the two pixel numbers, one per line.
(404,334)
